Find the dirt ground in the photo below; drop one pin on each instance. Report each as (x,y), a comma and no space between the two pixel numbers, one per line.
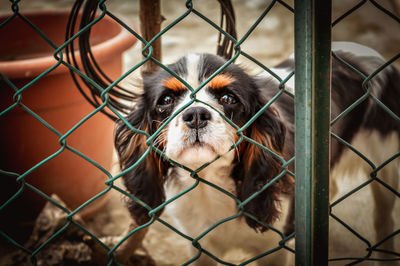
(271,42)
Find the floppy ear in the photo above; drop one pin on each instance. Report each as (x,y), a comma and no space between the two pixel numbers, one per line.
(146,180)
(257,167)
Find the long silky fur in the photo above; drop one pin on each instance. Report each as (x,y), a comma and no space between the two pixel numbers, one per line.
(146,180)
(257,167)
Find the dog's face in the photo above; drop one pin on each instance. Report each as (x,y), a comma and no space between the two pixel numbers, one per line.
(197,133)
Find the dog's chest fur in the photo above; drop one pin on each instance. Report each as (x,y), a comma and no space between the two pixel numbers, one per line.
(204,206)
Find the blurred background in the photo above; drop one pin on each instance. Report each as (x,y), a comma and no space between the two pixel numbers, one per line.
(271,42)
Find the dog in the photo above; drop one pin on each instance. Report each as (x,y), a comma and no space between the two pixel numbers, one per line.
(197,134)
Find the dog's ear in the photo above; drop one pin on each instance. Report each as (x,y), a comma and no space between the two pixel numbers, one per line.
(257,167)
(145,181)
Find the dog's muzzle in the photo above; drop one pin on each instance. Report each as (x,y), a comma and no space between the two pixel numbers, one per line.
(196,117)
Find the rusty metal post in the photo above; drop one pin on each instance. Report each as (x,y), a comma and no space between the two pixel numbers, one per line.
(312,117)
(150,25)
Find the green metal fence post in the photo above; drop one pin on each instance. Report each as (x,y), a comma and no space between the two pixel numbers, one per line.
(312,98)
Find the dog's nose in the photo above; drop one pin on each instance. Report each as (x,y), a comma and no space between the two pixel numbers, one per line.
(196,117)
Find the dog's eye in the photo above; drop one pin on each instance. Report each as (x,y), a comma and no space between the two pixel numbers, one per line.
(166,100)
(228,99)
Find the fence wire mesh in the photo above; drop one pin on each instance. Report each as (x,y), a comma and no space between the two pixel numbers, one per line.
(22,178)
(376,175)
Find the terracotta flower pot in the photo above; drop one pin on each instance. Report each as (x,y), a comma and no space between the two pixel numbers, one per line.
(25,142)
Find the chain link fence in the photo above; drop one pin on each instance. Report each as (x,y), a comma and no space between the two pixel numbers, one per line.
(384,248)
(104,103)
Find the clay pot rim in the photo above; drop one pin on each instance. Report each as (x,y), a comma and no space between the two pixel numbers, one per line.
(33,67)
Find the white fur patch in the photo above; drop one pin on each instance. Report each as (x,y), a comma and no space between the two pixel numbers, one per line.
(283,73)
(356,49)
(193,64)
(375,147)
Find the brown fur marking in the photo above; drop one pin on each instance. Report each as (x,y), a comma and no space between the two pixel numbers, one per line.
(253,151)
(174,84)
(220,81)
